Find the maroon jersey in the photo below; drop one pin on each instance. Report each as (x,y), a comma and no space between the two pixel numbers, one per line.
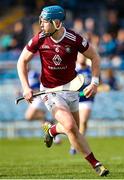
(58,57)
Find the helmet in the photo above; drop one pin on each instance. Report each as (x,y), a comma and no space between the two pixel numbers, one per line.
(53,12)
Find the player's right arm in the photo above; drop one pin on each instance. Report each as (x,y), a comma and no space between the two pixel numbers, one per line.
(22,68)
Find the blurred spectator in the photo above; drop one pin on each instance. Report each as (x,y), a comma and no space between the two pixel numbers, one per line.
(18,36)
(78,26)
(5,42)
(120,43)
(107,46)
(117,5)
(110,79)
(95,39)
(69,19)
(116,62)
(35,28)
(89,25)
(113,24)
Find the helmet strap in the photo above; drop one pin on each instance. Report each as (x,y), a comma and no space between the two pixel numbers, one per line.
(56,28)
(50,34)
(54,24)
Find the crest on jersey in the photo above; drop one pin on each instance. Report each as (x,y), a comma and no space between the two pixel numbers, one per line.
(84,42)
(57,60)
(68,49)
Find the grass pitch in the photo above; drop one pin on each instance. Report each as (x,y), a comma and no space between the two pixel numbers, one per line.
(30,159)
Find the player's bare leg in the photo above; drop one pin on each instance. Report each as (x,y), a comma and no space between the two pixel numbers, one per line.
(70,128)
(84,116)
(38,114)
(34,114)
(68,125)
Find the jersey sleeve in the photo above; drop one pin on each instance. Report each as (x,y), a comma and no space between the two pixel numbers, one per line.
(82,43)
(33,44)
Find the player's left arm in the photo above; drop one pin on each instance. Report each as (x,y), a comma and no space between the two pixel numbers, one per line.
(91,54)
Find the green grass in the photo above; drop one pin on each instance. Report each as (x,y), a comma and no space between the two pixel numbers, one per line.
(30,159)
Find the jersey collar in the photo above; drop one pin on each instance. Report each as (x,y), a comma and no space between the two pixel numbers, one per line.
(57,41)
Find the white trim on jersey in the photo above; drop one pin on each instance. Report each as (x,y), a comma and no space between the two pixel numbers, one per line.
(57,41)
(70,36)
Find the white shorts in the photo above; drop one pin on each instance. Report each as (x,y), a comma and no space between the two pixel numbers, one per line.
(38,104)
(67,99)
(85,105)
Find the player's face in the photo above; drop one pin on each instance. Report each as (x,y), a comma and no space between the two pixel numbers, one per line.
(46,26)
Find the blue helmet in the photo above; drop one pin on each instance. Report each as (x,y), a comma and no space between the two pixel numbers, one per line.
(53,12)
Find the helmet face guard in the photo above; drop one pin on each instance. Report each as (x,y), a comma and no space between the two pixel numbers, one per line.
(51,13)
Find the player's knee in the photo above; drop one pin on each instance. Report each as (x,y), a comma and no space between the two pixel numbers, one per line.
(70,127)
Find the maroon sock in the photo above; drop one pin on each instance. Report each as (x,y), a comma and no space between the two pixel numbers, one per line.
(92,160)
(53,131)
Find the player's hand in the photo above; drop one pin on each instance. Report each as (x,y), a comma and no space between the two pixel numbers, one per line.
(90,90)
(28,95)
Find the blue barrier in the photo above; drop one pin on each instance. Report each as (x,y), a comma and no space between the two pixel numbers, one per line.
(107,105)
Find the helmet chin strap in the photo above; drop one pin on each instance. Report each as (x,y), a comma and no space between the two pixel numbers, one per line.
(56,28)
(54,24)
(50,34)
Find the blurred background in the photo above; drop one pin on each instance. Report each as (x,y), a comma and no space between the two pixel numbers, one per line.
(102,22)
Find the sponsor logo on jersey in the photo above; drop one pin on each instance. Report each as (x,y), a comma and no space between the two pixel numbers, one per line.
(57,60)
(57,68)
